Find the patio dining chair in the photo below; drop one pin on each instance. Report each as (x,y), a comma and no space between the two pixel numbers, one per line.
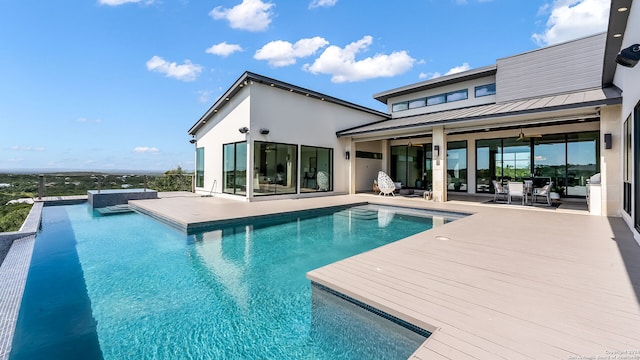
(516,189)
(385,184)
(545,191)
(498,191)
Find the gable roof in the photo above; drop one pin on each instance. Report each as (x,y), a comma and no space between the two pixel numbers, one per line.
(248,78)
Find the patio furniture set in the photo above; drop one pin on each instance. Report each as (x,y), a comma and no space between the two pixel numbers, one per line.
(525,190)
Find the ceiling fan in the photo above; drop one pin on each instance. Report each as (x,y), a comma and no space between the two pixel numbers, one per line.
(521,136)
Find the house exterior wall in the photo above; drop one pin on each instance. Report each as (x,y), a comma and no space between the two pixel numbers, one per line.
(555,69)
(367,169)
(291,119)
(295,119)
(471,101)
(222,129)
(628,79)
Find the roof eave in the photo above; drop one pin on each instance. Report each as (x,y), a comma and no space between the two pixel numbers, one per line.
(617,25)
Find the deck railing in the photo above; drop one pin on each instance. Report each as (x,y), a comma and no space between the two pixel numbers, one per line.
(14,186)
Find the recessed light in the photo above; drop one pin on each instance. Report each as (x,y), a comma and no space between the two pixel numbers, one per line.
(617,35)
(442,238)
(272,85)
(623,9)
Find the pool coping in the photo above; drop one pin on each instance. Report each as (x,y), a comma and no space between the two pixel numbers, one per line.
(13,275)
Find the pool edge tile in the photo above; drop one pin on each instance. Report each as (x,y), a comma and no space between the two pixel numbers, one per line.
(13,277)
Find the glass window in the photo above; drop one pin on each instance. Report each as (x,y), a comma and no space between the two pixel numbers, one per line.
(417,103)
(457,166)
(275,168)
(406,165)
(437,99)
(550,161)
(487,166)
(316,169)
(515,159)
(582,155)
(485,90)
(400,106)
(234,168)
(200,167)
(457,95)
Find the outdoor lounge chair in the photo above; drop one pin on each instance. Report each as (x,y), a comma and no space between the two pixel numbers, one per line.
(385,184)
(323,181)
(545,191)
(516,189)
(498,191)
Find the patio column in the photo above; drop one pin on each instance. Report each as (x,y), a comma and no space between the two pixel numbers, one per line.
(439,164)
(351,161)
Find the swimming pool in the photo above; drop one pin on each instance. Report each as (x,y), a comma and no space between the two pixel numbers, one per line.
(127,286)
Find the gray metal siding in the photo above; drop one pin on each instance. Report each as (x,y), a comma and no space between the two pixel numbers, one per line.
(557,69)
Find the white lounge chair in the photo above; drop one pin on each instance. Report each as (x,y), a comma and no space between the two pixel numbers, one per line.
(516,189)
(385,184)
(499,190)
(323,181)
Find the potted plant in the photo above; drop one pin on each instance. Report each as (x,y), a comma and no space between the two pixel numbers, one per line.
(457,185)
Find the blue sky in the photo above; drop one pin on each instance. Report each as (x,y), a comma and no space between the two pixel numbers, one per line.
(116,84)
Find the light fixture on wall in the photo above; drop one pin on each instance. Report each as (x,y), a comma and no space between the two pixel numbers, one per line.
(193,141)
(243,130)
(264,131)
(608,141)
(436,150)
(347,155)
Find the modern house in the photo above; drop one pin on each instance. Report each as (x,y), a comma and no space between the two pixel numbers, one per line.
(559,114)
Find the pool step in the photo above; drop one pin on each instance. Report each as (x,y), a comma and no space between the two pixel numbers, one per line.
(115,209)
(360,214)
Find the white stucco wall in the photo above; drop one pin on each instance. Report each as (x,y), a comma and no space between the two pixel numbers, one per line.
(222,129)
(628,79)
(471,101)
(291,118)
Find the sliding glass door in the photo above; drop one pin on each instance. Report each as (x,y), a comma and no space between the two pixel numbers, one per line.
(406,165)
(234,168)
(275,168)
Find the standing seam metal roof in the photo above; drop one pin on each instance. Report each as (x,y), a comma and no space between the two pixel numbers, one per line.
(575,100)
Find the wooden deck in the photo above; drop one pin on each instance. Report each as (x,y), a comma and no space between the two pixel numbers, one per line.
(511,282)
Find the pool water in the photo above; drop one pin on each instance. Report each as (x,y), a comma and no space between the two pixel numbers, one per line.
(128,287)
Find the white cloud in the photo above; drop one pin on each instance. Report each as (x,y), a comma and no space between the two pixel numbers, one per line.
(27,148)
(250,15)
(430,75)
(458,69)
(184,72)
(15,159)
(572,19)
(322,3)
(146,149)
(282,53)
(204,96)
(342,65)
(121,2)
(223,49)
(91,121)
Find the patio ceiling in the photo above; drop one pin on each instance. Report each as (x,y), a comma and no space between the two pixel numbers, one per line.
(575,106)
